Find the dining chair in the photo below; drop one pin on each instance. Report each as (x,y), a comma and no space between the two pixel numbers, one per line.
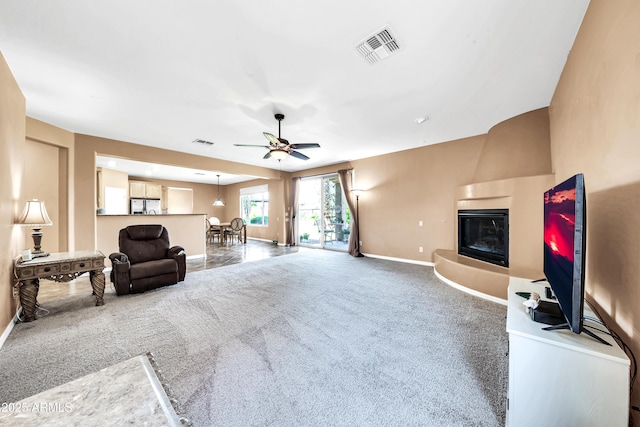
(214,229)
(234,229)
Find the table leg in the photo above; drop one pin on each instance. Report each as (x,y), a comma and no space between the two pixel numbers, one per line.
(97,283)
(28,296)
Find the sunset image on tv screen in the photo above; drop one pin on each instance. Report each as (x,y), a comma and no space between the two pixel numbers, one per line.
(560,221)
(559,227)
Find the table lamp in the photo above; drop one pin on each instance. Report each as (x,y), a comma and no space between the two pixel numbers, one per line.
(35,215)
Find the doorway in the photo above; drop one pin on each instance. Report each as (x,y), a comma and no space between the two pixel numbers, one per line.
(324,217)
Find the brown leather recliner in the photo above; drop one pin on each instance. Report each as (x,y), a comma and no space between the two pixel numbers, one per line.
(146,260)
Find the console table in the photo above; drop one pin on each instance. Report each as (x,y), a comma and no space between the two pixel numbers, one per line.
(59,267)
(558,378)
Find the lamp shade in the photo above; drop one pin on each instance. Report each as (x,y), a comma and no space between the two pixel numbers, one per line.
(357,192)
(34,214)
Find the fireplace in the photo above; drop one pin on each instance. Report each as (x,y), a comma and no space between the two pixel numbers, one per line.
(484,234)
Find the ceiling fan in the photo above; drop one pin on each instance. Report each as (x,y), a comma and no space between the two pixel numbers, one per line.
(279,148)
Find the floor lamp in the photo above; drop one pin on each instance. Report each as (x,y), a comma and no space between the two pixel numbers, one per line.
(357,194)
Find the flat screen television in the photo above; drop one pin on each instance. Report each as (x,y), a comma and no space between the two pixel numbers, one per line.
(565,223)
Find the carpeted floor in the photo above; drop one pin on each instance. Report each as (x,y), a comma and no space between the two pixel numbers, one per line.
(316,338)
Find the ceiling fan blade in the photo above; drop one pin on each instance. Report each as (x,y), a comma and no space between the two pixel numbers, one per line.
(251,145)
(298,155)
(266,156)
(300,146)
(272,139)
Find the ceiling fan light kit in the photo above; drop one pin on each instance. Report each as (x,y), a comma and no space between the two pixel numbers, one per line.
(279,154)
(279,148)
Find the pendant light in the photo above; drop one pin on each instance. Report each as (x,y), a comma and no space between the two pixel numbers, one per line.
(218,201)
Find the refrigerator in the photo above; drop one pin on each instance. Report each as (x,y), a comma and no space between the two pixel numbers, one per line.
(145,207)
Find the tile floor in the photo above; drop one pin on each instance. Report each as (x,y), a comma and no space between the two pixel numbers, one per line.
(218,255)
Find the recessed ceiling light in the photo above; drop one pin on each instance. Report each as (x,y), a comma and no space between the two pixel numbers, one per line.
(421,119)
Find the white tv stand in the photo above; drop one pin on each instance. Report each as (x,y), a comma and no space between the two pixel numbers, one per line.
(558,378)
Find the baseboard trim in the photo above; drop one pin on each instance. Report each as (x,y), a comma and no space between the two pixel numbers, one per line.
(468,290)
(9,327)
(407,261)
(267,240)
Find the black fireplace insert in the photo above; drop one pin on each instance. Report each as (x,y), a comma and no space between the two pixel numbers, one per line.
(484,234)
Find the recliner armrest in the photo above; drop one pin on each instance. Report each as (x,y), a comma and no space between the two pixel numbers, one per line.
(176,250)
(118,257)
(120,272)
(178,253)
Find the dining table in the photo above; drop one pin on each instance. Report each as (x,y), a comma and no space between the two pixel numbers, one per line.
(224,225)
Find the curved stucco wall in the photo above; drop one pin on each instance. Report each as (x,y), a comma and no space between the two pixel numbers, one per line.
(517,147)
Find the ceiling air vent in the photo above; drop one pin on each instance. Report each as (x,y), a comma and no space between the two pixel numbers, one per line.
(378,46)
(202,141)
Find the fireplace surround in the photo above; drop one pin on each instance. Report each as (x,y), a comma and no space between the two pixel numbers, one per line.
(483,234)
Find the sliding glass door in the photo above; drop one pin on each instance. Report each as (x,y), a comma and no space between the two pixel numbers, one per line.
(323,213)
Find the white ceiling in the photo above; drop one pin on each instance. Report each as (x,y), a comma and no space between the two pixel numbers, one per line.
(147,170)
(163,73)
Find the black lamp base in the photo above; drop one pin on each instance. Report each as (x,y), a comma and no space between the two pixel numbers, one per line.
(37,239)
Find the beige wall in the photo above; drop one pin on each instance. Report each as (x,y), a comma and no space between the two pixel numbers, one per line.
(595,129)
(12,147)
(53,148)
(409,186)
(41,182)
(516,147)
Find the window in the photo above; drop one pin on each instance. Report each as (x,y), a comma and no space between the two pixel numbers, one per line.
(254,205)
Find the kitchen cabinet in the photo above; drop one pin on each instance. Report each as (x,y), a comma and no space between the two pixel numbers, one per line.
(154,191)
(144,190)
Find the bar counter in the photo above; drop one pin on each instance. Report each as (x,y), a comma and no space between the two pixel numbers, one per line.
(186,230)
